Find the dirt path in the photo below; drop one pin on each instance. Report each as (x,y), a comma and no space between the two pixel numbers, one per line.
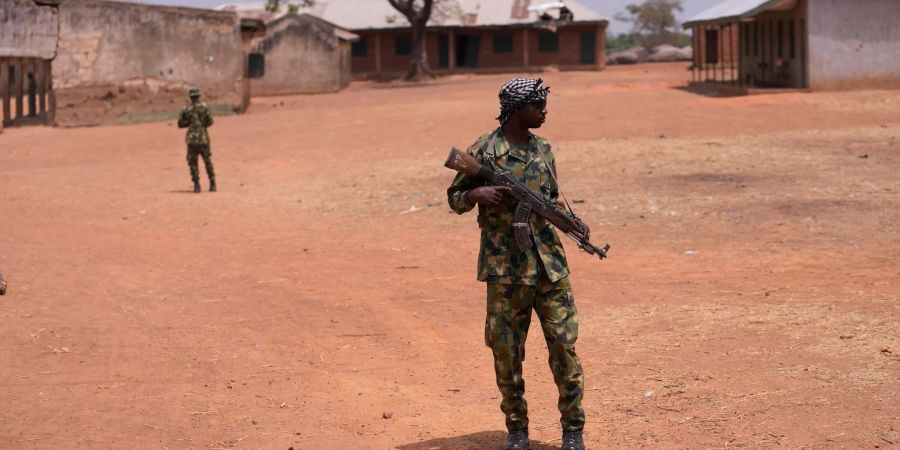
(750,299)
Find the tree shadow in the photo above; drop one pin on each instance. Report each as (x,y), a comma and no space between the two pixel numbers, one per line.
(484,440)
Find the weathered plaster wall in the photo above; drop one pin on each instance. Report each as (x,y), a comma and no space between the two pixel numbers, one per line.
(126,62)
(302,55)
(27,30)
(854,44)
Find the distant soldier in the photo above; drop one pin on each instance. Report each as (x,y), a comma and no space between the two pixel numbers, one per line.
(197,118)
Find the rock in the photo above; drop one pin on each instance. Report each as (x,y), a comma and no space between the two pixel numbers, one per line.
(665,52)
(387,415)
(641,52)
(626,57)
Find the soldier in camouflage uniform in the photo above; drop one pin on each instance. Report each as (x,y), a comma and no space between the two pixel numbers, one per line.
(196,117)
(521,281)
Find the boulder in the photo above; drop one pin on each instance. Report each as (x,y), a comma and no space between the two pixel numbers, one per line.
(626,57)
(668,52)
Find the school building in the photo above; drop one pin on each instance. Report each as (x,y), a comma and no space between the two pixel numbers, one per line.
(465,35)
(752,45)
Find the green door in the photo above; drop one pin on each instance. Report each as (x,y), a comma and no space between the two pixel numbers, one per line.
(443,51)
(589,47)
(472,51)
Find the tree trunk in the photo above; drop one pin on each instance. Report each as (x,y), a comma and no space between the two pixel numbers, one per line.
(418,20)
(419,69)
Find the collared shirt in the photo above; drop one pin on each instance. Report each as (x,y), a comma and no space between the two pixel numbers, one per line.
(500,260)
(196,118)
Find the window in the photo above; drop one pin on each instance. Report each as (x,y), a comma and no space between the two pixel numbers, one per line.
(712,46)
(548,42)
(256,65)
(360,48)
(503,42)
(403,45)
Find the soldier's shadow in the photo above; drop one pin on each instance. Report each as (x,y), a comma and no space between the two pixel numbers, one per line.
(484,440)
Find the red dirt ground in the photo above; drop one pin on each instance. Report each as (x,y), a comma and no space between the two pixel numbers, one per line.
(750,299)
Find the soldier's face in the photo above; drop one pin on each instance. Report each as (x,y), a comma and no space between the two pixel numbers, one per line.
(534,114)
(195,98)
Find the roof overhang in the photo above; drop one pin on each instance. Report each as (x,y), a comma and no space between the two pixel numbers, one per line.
(737,11)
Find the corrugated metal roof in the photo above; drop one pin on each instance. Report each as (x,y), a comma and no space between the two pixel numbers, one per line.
(732,10)
(372,14)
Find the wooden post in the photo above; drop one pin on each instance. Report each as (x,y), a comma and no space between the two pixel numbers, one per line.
(600,47)
(705,56)
(4,91)
(50,118)
(695,43)
(451,50)
(721,50)
(743,33)
(525,49)
(377,53)
(20,88)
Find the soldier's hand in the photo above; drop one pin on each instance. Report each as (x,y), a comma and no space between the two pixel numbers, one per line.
(583,226)
(488,195)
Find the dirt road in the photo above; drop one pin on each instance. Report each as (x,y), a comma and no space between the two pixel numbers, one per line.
(750,299)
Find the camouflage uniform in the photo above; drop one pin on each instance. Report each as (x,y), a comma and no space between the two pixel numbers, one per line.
(518,282)
(196,118)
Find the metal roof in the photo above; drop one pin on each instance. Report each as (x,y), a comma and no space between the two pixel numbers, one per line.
(379,14)
(734,10)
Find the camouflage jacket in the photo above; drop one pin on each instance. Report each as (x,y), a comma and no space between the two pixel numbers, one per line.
(196,118)
(499,260)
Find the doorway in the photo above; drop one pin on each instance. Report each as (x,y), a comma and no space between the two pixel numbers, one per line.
(467,47)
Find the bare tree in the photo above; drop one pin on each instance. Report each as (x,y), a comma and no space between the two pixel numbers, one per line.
(417,13)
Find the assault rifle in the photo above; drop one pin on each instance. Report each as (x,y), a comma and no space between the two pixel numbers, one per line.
(526,202)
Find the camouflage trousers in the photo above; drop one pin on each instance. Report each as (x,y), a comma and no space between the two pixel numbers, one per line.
(508,317)
(197,150)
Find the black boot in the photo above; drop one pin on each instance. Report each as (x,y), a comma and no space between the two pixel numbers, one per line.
(212,185)
(517,440)
(197,186)
(572,440)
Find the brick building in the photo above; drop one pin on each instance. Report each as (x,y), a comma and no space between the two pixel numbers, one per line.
(468,35)
(806,44)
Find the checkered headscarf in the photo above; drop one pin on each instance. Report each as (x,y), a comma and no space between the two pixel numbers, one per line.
(519,92)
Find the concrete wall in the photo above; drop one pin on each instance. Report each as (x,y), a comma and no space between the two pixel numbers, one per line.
(120,62)
(854,44)
(302,55)
(27,30)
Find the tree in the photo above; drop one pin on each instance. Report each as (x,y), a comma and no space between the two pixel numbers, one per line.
(273,6)
(417,13)
(654,21)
